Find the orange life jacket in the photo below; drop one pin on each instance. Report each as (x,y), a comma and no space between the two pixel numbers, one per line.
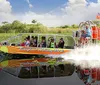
(94,32)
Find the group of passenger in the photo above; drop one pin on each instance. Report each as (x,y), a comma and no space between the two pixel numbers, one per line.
(33,42)
(85,36)
(30,41)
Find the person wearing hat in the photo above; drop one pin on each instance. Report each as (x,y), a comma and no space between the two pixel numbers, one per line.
(61,43)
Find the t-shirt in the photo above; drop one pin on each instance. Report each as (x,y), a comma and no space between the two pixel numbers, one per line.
(61,44)
(88,31)
(23,44)
(43,44)
(27,43)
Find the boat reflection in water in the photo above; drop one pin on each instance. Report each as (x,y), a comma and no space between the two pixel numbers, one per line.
(42,71)
(88,75)
(39,66)
(36,66)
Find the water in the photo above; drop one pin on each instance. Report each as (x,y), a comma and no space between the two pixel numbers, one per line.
(87,56)
(12,80)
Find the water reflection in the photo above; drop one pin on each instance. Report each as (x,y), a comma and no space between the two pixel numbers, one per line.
(43,71)
(88,75)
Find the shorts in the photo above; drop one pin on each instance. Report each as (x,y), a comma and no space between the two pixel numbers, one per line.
(88,35)
(83,36)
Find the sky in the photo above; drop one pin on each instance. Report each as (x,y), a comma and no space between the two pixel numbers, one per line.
(49,12)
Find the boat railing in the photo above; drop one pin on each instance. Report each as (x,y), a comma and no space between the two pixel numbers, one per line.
(69,40)
(77,34)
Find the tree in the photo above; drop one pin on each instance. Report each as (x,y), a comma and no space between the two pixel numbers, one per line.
(66,26)
(6,28)
(34,21)
(37,28)
(74,26)
(17,26)
(5,22)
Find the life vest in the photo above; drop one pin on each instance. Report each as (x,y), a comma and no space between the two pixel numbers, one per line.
(94,73)
(98,74)
(52,45)
(94,32)
(98,17)
(98,33)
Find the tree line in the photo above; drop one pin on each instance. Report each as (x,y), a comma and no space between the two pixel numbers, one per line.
(19,27)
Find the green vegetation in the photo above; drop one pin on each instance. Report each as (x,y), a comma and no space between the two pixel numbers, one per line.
(11,29)
(35,27)
(5,36)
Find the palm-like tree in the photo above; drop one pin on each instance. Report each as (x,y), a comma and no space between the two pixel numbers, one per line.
(34,21)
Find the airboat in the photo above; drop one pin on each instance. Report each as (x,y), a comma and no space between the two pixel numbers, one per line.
(38,62)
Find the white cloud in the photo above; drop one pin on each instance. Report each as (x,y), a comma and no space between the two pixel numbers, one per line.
(5,6)
(80,10)
(30,5)
(73,12)
(98,1)
(5,11)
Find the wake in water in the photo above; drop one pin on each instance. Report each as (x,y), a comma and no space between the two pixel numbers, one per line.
(87,56)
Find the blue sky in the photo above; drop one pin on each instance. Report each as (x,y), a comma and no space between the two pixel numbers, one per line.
(39,6)
(49,12)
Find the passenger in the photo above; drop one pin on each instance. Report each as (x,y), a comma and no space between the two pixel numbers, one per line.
(88,31)
(83,37)
(27,42)
(22,44)
(52,44)
(61,43)
(33,41)
(43,42)
(28,37)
